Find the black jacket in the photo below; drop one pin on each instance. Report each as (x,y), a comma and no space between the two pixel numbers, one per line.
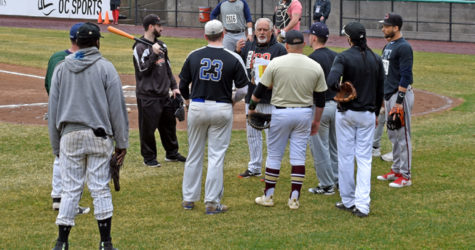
(268,51)
(325,8)
(365,71)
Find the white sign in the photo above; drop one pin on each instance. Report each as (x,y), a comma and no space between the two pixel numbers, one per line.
(74,9)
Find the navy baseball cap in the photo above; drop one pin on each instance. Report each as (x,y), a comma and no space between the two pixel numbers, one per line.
(88,31)
(354,30)
(294,37)
(392,19)
(74,30)
(319,29)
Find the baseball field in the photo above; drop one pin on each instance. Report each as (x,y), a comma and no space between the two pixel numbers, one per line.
(435,212)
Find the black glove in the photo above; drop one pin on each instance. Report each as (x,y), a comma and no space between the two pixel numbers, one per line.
(259,121)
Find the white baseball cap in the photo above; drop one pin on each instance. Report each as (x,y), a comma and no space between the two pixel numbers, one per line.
(213,27)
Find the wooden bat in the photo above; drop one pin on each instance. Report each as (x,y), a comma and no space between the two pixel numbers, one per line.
(125,34)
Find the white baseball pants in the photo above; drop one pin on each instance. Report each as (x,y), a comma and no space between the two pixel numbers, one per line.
(290,124)
(82,153)
(212,121)
(56,181)
(354,133)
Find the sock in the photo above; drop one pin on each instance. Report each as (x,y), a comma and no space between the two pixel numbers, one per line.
(105,229)
(297,177)
(63,233)
(271,179)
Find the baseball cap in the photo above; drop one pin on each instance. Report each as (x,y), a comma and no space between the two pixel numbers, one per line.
(151,19)
(294,37)
(354,30)
(392,19)
(319,29)
(213,27)
(88,31)
(74,30)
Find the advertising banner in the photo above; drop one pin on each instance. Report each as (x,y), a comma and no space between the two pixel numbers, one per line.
(73,9)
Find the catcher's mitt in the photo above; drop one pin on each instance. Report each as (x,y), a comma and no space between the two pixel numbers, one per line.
(347,92)
(259,121)
(395,118)
(114,169)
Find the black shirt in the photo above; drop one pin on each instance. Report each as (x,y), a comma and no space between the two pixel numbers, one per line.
(325,57)
(267,51)
(212,71)
(365,71)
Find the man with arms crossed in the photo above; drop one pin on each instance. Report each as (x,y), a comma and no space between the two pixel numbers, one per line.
(211,70)
(297,83)
(287,17)
(257,54)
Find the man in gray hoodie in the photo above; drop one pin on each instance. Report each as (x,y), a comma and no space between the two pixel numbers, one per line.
(87,114)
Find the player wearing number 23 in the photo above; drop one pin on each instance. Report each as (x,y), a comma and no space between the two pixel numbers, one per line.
(211,70)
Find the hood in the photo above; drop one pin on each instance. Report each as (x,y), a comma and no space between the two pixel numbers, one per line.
(82,59)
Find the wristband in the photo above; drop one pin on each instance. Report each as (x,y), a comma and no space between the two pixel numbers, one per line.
(252,105)
(400,97)
(282,33)
(249,31)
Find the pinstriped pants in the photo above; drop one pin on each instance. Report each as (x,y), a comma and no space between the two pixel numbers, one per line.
(83,154)
(56,181)
(254,140)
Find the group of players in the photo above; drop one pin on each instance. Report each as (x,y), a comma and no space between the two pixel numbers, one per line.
(273,77)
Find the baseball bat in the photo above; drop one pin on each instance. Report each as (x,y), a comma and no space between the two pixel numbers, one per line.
(125,34)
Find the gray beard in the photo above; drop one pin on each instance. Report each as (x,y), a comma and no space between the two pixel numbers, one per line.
(262,41)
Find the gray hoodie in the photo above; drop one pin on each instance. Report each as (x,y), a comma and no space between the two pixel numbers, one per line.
(86,92)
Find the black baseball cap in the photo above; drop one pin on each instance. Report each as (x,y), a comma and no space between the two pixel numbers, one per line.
(354,30)
(294,37)
(319,29)
(392,19)
(88,31)
(151,19)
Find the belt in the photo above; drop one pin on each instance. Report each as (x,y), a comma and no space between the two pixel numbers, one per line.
(234,31)
(278,107)
(203,100)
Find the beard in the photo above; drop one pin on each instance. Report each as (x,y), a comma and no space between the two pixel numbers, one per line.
(389,36)
(262,40)
(156,33)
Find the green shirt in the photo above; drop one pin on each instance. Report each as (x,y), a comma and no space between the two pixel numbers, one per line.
(53,60)
(294,77)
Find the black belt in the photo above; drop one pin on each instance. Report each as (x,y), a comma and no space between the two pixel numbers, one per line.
(234,31)
(278,107)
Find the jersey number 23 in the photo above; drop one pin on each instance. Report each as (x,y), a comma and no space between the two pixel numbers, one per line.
(211,70)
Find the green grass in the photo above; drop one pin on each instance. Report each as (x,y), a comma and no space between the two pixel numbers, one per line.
(436,212)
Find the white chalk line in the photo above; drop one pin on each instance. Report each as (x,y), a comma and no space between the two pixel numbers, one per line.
(127,93)
(131,94)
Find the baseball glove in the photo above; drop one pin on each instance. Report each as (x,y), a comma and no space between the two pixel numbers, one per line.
(114,169)
(178,104)
(259,121)
(347,92)
(395,118)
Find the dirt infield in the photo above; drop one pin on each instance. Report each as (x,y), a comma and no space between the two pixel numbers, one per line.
(23,99)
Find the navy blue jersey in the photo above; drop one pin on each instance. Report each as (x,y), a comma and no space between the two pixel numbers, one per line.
(397,60)
(325,57)
(212,70)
